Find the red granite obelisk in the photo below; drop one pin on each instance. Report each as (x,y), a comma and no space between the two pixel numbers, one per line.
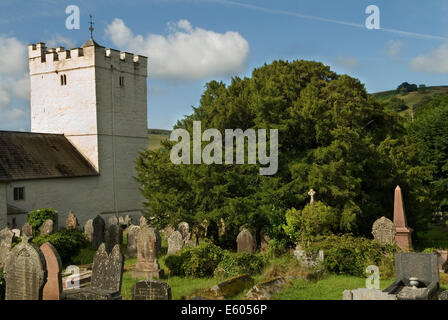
(403,232)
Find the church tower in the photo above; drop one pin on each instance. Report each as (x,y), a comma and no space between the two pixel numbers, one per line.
(97,98)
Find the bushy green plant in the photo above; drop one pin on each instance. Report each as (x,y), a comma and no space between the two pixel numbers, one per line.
(67,242)
(277,247)
(346,254)
(317,219)
(37,217)
(199,261)
(240,263)
(430,250)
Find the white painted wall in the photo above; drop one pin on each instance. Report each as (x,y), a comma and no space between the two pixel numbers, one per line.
(3,206)
(105,122)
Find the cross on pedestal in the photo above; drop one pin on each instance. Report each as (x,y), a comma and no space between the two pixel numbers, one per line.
(311,193)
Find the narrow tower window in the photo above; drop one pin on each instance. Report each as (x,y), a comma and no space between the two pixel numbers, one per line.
(121,80)
(63,80)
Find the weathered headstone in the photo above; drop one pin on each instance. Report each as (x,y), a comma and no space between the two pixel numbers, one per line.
(113,236)
(72,222)
(6,237)
(167,231)
(184,229)
(222,227)
(312,193)
(403,233)
(264,238)
(132,231)
(53,287)
(245,242)
(265,290)
(25,272)
(113,220)
(151,290)
(27,230)
(175,243)
(143,220)
(230,287)
(147,266)
(17,232)
(308,259)
(442,257)
(107,275)
(47,227)
(367,294)
(98,232)
(88,230)
(383,231)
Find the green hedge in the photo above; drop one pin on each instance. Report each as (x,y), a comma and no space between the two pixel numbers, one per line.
(37,217)
(346,254)
(68,243)
(234,264)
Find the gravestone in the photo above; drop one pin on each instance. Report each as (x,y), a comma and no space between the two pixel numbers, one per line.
(113,236)
(27,230)
(72,222)
(367,294)
(88,230)
(167,231)
(265,290)
(107,275)
(143,220)
(222,227)
(131,251)
(442,257)
(151,290)
(264,238)
(245,242)
(6,237)
(383,231)
(98,232)
(47,227)
(25,272)
(127,220)
(175,243)
(113,220)
(53,287)
(307,259)
(17,232)
(147,266)
(403,232)
(184,229)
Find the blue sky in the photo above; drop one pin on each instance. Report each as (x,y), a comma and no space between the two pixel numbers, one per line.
(193,41)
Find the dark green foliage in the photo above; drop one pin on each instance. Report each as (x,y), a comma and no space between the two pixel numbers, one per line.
(37,217)
(407,87)
(235,264)
(350,255)
(397,105)
(199,261)
(333,137)
(67,242)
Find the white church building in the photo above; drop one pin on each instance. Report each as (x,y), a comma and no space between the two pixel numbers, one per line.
(88,125)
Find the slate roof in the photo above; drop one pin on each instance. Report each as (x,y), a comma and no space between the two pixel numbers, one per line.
(26,156)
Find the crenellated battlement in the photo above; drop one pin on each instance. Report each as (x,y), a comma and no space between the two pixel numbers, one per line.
(43,59)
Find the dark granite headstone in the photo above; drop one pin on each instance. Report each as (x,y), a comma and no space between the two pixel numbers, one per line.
(98,232)
(151,290)
(25,272)
(114,235)
(132,231)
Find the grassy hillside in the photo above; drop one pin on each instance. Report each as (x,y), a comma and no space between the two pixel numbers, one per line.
(411,99)
(155,136)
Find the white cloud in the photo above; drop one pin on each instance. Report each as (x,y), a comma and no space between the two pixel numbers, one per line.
(14,82)
(348,62)
(58,41)
(435,61)
(187,53)
(393,48)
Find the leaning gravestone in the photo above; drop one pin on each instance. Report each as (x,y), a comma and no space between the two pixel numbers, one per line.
(175,243)
(25,272)
(147,266)
(72,222)
(245,242)
(88,230)
(6,237)
(113,236)
(98,232)
(383,231)
(151,290)
(131,251)
(27,230)
(53,287)
(47,227)
(107,275)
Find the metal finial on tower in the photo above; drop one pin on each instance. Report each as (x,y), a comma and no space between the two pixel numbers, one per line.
(91,26)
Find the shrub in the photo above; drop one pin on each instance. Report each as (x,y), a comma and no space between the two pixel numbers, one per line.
(198,261)
(351,255)
(235,264)
(37,217)
(67,242)
(303,225)
(277,247)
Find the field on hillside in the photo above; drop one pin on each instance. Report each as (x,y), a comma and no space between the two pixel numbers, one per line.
(156,136)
